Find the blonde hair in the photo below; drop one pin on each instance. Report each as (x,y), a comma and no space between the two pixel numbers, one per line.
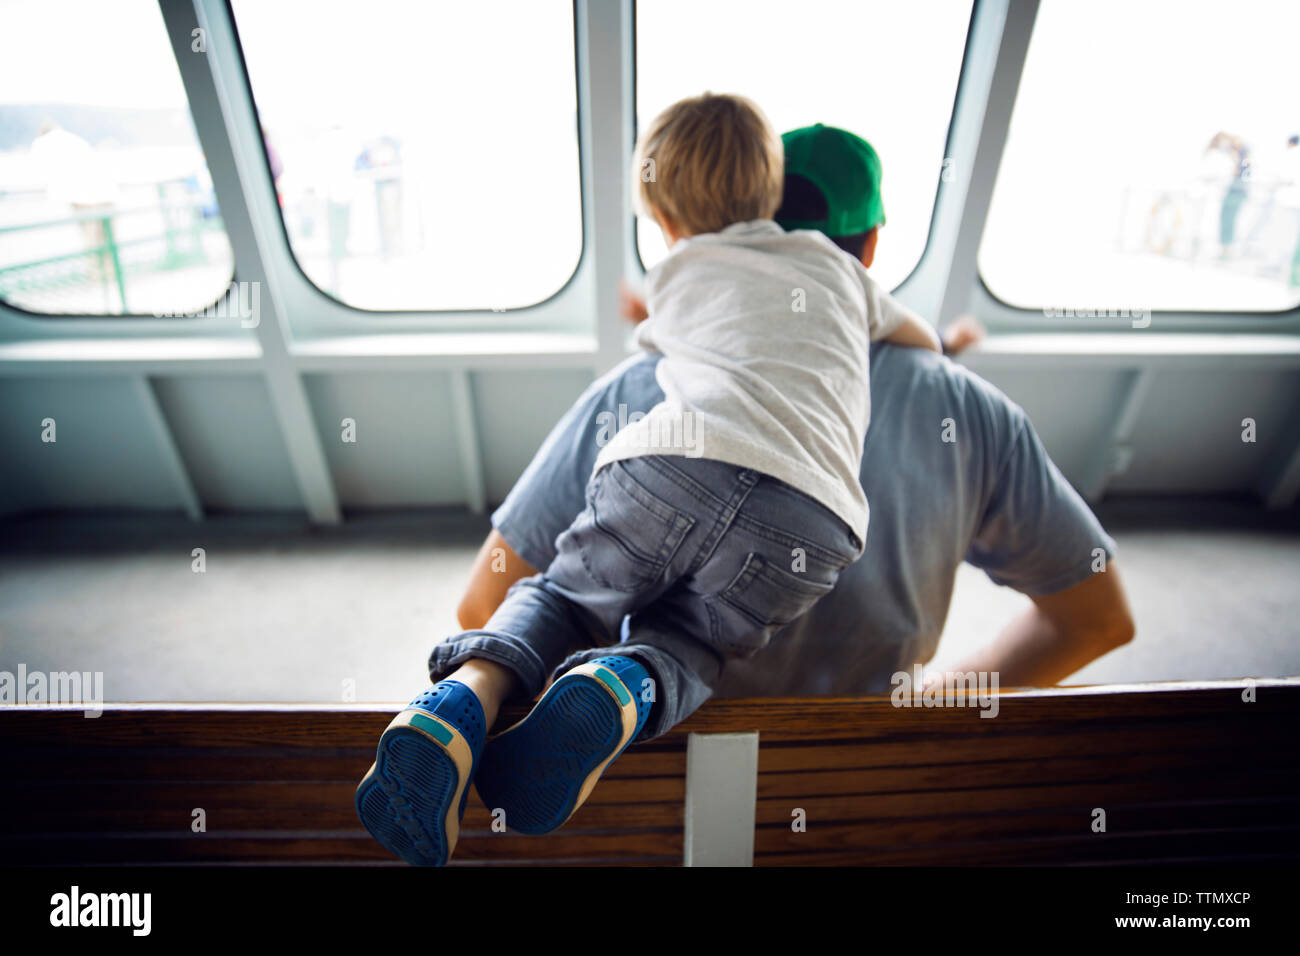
(707,162)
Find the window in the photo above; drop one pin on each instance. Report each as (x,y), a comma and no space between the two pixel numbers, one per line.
(106,206)
(887,71)
(425,154)
(1152,161)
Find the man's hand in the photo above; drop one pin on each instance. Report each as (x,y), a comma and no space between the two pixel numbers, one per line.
(630,305)
(961,333)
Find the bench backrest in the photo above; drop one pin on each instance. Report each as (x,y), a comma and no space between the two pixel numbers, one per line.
(1180,771)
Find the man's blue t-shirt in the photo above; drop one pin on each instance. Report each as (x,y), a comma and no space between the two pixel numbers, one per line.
(953,472)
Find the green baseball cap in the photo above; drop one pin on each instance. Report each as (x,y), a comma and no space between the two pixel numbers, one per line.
(845,169)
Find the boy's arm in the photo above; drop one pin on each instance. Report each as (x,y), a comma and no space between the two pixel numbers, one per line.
(916,332)
(891,321)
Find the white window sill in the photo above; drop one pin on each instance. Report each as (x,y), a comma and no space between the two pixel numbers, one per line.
(1139,347)
(446,350)
(128,355)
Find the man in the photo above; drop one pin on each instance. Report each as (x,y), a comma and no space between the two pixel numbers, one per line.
(954,472)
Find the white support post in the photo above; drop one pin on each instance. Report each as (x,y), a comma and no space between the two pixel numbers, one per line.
(224,119)
(1281,482)
(1111,457)
(471,454)
(171,454)
(721,799)
(605,96)
(996,52)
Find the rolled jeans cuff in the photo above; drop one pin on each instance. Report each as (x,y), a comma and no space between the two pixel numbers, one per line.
(490,646)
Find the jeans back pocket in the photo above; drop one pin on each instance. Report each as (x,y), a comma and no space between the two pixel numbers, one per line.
(760,599)
(634,533)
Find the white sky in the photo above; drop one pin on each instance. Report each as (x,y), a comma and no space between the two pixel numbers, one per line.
(91,52)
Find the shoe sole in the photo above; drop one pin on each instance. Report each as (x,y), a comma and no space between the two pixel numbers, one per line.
(591,715)
(410,798)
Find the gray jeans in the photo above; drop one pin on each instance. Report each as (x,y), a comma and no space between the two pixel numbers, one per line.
(682,563)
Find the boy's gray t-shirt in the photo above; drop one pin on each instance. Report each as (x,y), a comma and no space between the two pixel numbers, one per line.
(764,336)
(991,497)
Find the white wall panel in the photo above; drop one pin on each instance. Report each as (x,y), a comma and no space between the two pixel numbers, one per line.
(1071,409)
(106,453)
(230,441)
(1188,437)
(516,411)
(406,452)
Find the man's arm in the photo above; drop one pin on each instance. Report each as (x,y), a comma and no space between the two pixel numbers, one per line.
(496,567)
(1062,633)
(1038,536)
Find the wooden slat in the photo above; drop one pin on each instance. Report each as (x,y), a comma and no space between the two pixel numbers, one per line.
(792,787)
(277,807)
(349,847)
(1123,821)
(1194,735)
(140,763)
(1236,845)
(1109,795)
(962,773)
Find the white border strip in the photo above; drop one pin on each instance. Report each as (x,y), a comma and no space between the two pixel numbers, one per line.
(721,799)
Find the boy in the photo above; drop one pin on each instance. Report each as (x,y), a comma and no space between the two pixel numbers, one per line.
(764,336)
(832,185)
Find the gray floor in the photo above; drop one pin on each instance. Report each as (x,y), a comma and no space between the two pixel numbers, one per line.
(287,612)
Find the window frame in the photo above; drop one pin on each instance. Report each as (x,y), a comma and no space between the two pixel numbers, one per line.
(1190,319)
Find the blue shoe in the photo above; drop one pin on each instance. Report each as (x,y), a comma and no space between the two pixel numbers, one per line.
(413,797)
(543,768)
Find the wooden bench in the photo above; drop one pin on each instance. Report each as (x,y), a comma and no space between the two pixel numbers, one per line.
(1183,772)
